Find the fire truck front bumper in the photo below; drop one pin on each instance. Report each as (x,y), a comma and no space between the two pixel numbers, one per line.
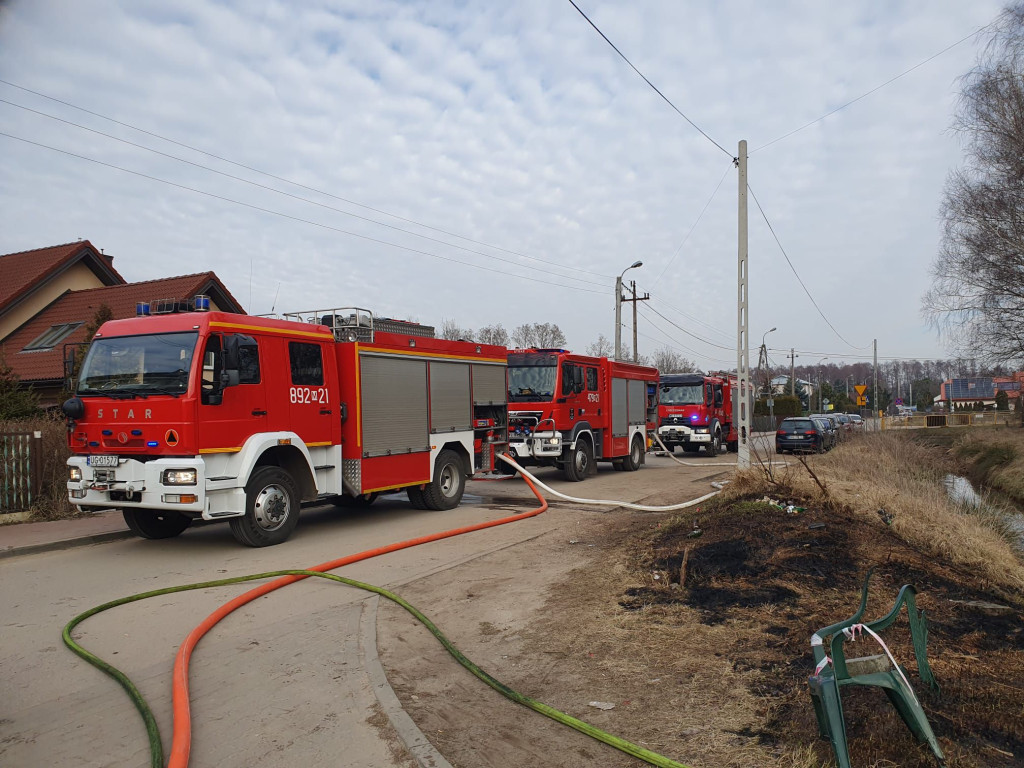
(677,433)
(120,482)
(543,445)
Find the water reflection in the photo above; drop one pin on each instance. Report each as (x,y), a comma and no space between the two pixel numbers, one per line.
(962,493)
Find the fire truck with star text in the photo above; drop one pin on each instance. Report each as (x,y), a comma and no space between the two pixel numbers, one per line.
(182,414)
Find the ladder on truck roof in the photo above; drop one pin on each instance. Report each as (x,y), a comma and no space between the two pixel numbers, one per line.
(358,324)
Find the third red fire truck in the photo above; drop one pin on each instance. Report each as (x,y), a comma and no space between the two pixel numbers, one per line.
(185,415)
(568,410)
(696,410)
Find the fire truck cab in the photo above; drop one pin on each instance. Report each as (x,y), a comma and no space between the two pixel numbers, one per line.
(187,415)
(697,410)
(568,410)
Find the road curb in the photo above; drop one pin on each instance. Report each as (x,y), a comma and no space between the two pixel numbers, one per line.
(78,541)
(415,741)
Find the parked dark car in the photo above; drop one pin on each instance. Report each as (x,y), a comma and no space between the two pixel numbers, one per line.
(833,423)
(831,433)
(845,422)
(800,433)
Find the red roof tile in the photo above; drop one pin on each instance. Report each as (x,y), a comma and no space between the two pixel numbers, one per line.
(23,271)
(81,307)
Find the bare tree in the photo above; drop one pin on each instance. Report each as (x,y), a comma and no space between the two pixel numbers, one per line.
(493,334)
(600,348)
(451,330)
(667,360)
(538,335)
(977,294)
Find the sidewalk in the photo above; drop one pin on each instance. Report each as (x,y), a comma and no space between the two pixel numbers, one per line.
(30,538)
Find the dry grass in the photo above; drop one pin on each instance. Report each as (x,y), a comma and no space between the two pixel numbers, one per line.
(902,477)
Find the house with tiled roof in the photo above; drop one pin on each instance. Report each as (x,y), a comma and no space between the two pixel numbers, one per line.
(31,280)
(37,347)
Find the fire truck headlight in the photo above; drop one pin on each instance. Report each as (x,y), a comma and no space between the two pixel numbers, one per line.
(74,474)
(553,441)
(179,477)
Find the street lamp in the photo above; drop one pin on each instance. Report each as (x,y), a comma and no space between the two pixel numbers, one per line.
(618,308)
(821,394)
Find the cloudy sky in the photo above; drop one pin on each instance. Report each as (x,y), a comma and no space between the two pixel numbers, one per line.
(499,162)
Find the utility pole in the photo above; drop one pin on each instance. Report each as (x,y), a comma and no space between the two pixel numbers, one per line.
(645,297)
(741,411)
(792,371)
(874,389)
(618,308)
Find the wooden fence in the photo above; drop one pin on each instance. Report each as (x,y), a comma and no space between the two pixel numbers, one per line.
(21,464)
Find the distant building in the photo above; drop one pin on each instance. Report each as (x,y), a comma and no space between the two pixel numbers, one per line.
(48,297)
(954,393)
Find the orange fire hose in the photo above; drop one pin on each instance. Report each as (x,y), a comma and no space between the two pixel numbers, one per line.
(181,741)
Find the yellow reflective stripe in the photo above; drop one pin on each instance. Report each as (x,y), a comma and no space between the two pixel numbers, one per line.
(220,450)
(265,329)
(419,353)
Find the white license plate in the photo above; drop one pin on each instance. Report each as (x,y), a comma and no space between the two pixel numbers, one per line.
(101,461)
(796,437)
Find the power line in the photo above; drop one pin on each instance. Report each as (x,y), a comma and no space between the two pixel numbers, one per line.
(282,192)
(876,88)
(644,77)
(290,217)
(696,222)
(693,319)
(845,356)
(675,343)
(281,178)
(698,338)
(799,279)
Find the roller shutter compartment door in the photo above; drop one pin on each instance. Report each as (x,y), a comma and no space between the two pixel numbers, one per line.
(620,422)
(637,402)
(394,405)
(489,385)
(450,409)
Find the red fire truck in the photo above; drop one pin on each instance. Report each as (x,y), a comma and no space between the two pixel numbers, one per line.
(696,410)
(187,415)
(569,410)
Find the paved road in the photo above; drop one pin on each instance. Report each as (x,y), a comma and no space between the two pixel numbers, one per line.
(280,682)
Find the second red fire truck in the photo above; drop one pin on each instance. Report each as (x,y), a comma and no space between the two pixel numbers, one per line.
(185,415)
(697,410)
(568,410)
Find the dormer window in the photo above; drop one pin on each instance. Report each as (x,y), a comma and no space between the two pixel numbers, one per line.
(51,337)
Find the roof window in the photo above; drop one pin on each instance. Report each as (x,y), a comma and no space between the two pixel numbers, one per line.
(51,337)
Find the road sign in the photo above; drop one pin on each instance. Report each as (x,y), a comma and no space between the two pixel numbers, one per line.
(861,400)
(861,389)
(899,401)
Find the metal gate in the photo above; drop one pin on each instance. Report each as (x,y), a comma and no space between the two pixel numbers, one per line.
(20,470)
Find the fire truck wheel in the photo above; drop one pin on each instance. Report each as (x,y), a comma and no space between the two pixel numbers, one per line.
(580,462)
(636,455)
(155,523)
(445,492)
(271,509)
(416,497)
(715,446)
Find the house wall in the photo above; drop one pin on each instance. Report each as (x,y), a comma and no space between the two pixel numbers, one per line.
(77,278)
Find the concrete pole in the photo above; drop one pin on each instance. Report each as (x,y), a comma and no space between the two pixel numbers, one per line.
(632,286)
(792,372)
(874,391)
(741,410)
(618,317)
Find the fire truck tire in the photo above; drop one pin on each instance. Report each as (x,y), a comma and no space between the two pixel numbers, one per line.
(416,497)
(271,509)
(449,483)
(580,462)
(155,523)
(715,446)
(636,455)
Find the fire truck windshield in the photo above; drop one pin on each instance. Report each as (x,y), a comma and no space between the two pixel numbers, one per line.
(682,394)
(138,365)
(531,377)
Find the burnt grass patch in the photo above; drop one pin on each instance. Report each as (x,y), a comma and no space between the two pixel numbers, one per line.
(788,572)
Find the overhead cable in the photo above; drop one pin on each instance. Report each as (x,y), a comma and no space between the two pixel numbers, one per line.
(799,279)
(876,88)
(285,180)
(696,221)
(644,77)
(288,194)
(293,218)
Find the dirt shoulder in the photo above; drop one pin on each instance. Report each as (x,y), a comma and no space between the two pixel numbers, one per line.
(713,672)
